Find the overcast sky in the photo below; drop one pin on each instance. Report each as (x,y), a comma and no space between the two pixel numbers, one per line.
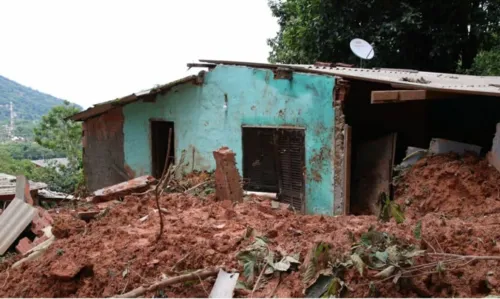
(93,51)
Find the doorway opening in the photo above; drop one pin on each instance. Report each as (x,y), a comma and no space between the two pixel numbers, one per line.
(380,136)
(273,161)
(160,131)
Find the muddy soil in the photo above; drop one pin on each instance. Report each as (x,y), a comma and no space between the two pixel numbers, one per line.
(118,252)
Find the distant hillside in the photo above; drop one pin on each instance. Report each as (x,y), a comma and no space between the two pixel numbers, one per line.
(29,104)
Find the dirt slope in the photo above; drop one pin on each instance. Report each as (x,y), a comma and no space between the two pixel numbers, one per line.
(118,252)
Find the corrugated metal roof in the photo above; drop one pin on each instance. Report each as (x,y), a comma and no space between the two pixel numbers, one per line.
(49,162)
(106,106)
(16,217)
(410,79)
(8,185)
(399,78)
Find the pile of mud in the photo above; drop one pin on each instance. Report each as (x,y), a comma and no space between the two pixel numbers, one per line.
(451,185)
(118,251)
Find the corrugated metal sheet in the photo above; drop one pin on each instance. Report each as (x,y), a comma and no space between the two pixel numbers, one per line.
(411,79)
(16,217)
(49,162)
(8,185)
(106,106)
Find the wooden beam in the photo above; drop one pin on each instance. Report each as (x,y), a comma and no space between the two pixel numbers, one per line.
(392,96)
(347,168)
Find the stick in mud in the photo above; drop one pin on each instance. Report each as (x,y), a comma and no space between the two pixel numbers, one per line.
(160,183)
(200,274)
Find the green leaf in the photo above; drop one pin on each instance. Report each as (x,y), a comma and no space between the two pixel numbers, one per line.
(417,232)
(373,292)
(292,259)
(397,213)
(240,285)
(309,274)
(414,253)
(386,272)
(358,263)
(394,254)
(269,270)
(249,262)
(282,265)
(382,256)
(334,289)
(397,277)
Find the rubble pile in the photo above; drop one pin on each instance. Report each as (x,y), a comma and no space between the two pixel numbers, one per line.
(446,246)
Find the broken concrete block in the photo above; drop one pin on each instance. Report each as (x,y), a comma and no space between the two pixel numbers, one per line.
(493,156)
(443,146)
(67,268)
(24,245)
(227,177)
(23,190)
(41,220)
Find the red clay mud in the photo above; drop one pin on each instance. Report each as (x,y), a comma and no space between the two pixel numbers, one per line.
(117,252)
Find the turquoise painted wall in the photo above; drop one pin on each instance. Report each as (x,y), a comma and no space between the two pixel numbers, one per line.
(255,98)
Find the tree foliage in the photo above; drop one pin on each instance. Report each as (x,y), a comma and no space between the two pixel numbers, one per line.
(62,179)
(57,133)
(29,150)
(415,34)
(486,63)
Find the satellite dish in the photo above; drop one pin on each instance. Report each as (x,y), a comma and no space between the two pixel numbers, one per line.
(362,48)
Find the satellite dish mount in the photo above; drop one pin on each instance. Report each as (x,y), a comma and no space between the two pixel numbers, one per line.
(362,49)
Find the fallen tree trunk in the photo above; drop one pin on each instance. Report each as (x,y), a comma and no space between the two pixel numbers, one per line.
(200,274)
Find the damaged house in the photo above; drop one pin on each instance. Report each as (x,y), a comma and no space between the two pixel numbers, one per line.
(323,137)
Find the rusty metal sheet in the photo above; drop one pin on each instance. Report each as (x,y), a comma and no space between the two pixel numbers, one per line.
(411,79)
(14,219)
(8,186)
(124,187)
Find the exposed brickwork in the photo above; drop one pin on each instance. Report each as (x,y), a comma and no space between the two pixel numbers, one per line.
(103,157)
(41,220)
(227,178)
(24,245)
(341,90)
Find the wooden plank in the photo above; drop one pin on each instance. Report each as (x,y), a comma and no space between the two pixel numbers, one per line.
(347,168)
(391,96)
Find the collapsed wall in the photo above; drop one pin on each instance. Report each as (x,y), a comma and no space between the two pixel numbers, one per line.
(341,90)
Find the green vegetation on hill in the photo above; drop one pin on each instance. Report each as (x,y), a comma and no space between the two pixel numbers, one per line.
(29,104)
(40,132)
(29,150)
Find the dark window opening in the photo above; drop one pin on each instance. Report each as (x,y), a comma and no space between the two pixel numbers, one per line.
(160,131)
(259,162)
(273,161)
